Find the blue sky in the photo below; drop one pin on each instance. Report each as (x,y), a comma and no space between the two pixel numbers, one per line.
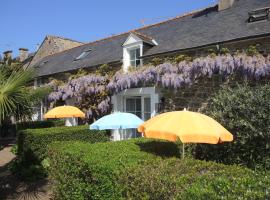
(25,23)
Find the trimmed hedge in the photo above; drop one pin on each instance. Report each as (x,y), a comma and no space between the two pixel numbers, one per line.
(12,129)
(33,143)
(146,169)
(39,124)
(82,171)
(193,179)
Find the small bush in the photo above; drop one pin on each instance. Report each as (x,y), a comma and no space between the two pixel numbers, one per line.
(33,143)
(83,171)
(14,149)
(193,179)
(27,173)
(244,111)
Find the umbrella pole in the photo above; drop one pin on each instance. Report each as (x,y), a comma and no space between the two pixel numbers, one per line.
(183,150)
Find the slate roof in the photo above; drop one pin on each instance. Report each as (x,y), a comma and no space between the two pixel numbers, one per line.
(145,38)
(201,28)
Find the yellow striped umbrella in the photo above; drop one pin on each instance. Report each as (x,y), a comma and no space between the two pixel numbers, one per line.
(64,112)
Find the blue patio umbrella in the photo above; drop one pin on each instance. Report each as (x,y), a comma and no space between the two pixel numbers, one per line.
(117,120)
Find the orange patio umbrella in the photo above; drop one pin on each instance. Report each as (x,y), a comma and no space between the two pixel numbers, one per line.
(64,112)
(189,127)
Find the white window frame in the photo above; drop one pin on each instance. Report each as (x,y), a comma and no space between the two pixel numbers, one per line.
(142,97)
(135,60)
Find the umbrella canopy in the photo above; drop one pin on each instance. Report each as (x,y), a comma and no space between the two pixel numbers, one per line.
(64,112)
(117,121)
(189,127)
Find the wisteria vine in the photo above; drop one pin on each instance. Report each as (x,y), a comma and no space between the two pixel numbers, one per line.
(90,92)
(170,75)
(93,92)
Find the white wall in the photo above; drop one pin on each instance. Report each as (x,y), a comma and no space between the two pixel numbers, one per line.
(118,102)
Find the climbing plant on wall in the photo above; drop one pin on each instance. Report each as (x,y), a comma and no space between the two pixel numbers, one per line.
(90,92)
(93,91)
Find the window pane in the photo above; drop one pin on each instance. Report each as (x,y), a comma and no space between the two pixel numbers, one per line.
(137,53)
(133,63)
(132,54)
(139,114)
(147,116)
(138,104)
(147,105)
(130,105)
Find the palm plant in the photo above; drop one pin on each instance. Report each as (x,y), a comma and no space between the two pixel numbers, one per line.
(14,93)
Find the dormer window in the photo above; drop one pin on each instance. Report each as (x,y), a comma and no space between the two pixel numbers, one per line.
(83,54)
(134,47)
(134,55)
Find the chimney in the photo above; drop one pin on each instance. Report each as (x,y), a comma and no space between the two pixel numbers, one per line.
(7,54)
(225,4)
(23,54)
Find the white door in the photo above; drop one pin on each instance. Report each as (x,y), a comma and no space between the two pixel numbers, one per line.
(133,105)
(140,106)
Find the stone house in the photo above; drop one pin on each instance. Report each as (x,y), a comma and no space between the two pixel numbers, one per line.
(232,24)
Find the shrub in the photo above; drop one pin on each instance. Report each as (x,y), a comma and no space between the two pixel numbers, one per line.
(12,129)
(27,173)
(83,171)
(33,143)
(39,124)
(192,179)
(244,111)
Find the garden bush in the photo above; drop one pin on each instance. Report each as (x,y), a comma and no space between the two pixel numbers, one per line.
(146,169)
(33,143)
(12,129)
(244,111)
(39,124)
(83,171)
(193,179)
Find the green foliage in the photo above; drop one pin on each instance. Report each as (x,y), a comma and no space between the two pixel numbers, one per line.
(33,143)
(8,129)
(224,50)
(212,52)
(252,50)
(39,124)
(181,58)
(146,169)
(244,111)
(83,171)
(27,172)
(14,149)
(156,61)
(36,95)
(13,93)
(80,73)
(105,70)
(172,59)
(192,179)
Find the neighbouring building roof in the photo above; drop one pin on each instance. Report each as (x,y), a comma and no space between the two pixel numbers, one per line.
(51,45)
(200,28)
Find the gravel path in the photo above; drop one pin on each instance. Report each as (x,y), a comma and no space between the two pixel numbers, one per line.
(13,189)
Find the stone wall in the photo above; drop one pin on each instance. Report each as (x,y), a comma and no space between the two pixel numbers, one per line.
(52,45)
(197,96)
(262,44)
